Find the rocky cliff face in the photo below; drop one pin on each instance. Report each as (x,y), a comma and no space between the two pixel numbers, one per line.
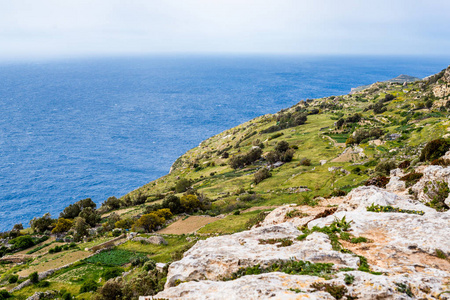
(404,253)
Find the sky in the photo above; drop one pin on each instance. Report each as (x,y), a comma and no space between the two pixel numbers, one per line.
(32,29)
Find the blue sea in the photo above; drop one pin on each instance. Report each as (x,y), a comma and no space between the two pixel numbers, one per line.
(102,127)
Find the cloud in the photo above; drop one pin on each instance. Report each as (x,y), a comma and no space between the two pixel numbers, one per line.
(51,28)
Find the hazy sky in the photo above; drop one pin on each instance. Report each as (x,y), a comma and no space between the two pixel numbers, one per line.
(59,28)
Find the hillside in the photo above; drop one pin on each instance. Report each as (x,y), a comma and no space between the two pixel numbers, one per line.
(339,185)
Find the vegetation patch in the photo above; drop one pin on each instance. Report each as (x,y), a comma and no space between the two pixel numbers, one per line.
(292,267)
(411,178)
(114,257)
(281,242)
(337,291)
(381,208)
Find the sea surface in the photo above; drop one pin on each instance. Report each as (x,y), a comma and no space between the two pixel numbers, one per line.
(102,127)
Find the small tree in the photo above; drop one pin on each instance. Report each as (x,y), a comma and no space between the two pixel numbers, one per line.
(112,203)
(81,228)
(41,224)
(190,202)
(89,286)
(34,277)
(90,215)
(148,222)
(173,203)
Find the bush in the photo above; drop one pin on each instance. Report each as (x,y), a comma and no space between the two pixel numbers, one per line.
(404,164)
(380,181)
(63,225)
(182,185)
(305,161)
(22,242)
(148,222)
(441,162)
(149,265)
(34,277)
(89,286)
(338,193)
(4,295)
(173,203)
(261,175)
(411,178)
(13,278)
(112,273)
(434,149)
(384,167)
(112,203)
(43,283)
(240,161)
(190,202)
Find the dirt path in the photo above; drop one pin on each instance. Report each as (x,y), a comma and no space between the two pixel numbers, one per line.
(189,225)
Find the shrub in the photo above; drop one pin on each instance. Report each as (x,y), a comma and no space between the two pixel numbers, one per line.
(124,223)
(112,273)
(349,279)
(34,277)
(63,225)
(13,278)
(384,167)
(149,265)
(4,295)
(148,222)
(262,174)
(89,286)
(22,242)
(441,162)
(404,164)
(379,181)
(112,203)
(173,203)
(240,161)
(411,178)
(338,193)
(337,291)
(434,149)
(437,192)
(41,224)
(139,260)
(305,161)
(43,283)
(190,202)
(182,185)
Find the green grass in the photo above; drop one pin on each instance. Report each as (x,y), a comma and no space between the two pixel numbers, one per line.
(230,224)
(159,253)
(114,257)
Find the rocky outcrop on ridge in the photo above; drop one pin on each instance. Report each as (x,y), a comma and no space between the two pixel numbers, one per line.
(401,247)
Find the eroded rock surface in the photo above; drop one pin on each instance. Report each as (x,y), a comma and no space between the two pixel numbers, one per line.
(401,246)
(282,286)
(218,257)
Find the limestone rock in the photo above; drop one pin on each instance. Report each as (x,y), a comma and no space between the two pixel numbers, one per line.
(364,196)
(218,257)
(401,230)
(283,286)
(430,173)
(43,295)
(155,239)
(396,185)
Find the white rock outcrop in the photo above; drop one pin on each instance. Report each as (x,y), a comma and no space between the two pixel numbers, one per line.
(430,174)
(402,246)
(218,257)
(282,286)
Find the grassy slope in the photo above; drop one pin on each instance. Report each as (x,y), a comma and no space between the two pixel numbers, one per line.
(220,183)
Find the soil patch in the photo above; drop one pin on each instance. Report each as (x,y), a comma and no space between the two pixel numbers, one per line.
(187,226)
